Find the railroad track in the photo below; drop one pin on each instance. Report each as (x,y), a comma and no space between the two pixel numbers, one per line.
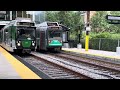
(50,70)
(101,62)
(108,69)
(94,69)
(67,66)
(93,57)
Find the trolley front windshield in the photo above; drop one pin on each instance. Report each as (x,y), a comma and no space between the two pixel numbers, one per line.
(53,33)
(24,33)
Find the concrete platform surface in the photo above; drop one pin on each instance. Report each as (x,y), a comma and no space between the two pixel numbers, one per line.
(11,68)
(94,52)
(6,69)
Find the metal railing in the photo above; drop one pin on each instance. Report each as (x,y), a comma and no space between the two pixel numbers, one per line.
(99,44)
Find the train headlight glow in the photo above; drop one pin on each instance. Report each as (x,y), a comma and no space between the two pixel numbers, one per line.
(18,44)
(49,41)
(33,44)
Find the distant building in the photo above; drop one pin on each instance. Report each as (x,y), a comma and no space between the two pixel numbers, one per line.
(11,15)
(38,16)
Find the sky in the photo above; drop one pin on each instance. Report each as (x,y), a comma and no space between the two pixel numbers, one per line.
(31,12)
(36,12)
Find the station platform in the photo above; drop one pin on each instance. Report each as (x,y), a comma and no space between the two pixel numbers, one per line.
(98,53)
(11,68)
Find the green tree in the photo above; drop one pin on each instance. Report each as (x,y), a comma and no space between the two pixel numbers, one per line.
(115,28)
(99,22)
(68,18)
(51,16)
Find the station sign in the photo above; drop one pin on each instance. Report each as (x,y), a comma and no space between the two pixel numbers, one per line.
(112,19)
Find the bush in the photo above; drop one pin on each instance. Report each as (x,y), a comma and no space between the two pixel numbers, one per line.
(105,44)
(100,35)
(115,36)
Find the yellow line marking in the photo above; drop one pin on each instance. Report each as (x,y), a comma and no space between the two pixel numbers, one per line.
(86,52)
(20,68)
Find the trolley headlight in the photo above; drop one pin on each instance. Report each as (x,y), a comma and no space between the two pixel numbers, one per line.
(49,41)
(33,41)
(18,44)
(33,44)
(61,41)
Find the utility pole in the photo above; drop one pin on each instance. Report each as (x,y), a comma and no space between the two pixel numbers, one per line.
(88,16)
(87,31)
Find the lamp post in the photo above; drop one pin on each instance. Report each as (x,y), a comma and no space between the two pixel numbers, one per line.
(88,29)
(79,45)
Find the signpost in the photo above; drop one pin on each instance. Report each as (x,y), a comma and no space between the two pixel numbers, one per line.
(112,19)
(87,31)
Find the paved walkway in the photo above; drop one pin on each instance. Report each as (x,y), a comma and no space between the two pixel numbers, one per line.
(11,68)
(95,52)
(6,69)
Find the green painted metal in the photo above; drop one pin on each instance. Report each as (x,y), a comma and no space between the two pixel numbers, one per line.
(13,31)
(26,43)
(55,43)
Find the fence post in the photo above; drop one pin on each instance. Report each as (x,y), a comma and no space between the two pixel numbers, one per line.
(99,43)
(118,42)
(118,48)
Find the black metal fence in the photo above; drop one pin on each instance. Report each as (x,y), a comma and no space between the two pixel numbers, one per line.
(98,44)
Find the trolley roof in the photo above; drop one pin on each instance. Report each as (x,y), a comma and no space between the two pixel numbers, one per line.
(23,19)
(65,28)
(48,24)
(4,22)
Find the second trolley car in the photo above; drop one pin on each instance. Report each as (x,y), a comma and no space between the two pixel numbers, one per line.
(49,36)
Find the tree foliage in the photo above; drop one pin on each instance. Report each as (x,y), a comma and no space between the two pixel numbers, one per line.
(51,16)
(69,18)
(76,23)
(115,28)
(99,22)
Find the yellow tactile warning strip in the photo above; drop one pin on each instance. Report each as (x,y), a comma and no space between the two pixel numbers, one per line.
(20,68)
(86,52)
